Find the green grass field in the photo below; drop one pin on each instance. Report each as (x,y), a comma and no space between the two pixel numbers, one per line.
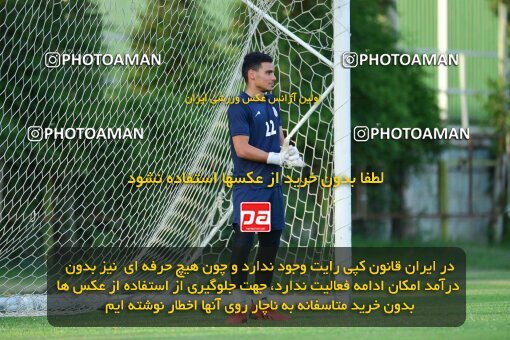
(488,316)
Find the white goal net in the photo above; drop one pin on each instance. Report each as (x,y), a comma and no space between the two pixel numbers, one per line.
(75,191)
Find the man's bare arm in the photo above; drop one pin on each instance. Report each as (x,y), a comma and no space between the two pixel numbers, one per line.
(245,150)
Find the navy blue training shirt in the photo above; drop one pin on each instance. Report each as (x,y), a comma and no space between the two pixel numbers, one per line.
(260,121)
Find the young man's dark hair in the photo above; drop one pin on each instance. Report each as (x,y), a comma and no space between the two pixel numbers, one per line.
(252,61)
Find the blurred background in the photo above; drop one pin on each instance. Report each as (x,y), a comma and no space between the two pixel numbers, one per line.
(75,192)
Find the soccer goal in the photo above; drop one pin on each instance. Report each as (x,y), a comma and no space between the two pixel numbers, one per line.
(59,189)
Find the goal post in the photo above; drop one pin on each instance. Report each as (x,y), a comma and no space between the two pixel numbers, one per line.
(342,122)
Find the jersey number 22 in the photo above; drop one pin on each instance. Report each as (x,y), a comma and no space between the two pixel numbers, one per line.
(270,129)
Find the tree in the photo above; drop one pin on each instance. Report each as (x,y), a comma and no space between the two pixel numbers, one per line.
(196,47)
(34,95)
(498,105)
(384,96)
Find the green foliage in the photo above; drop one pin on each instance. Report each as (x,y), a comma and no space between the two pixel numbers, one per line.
(34,95)
(388,97)
(497,105)
(494,4)
(384,96)
(194,46)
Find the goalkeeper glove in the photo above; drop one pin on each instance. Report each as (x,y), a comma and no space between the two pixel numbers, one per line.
(292,150)
(288,157)
(293,160)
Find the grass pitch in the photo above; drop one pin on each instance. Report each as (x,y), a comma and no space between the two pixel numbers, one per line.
(488,316)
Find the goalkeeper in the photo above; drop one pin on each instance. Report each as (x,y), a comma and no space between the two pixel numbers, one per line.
(256,139)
